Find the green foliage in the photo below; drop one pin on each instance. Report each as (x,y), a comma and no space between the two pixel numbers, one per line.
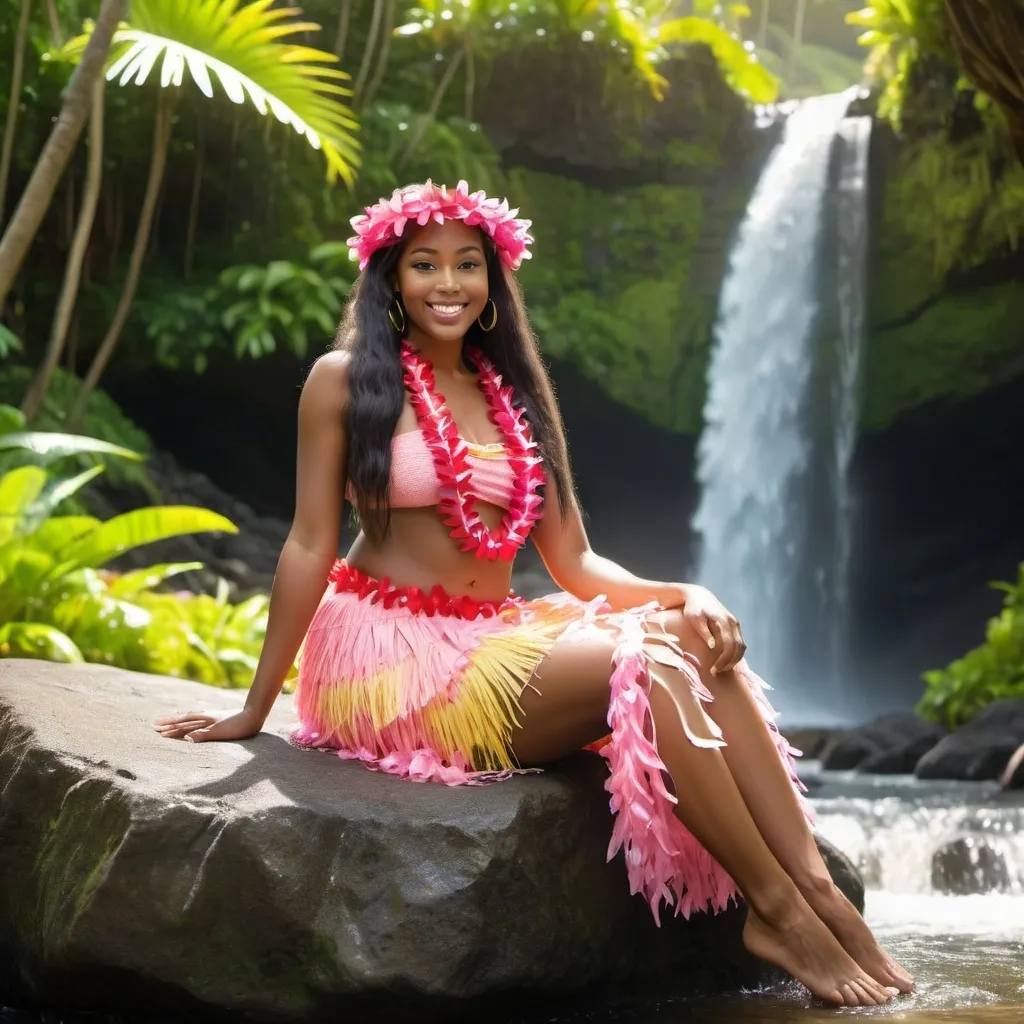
(103,420)
(58,603)
(962,200)
(636,35)
(951,206)
(955,347)
(243,46)
(898,32)
(611,290)
(994,670)
(255,307)
(9,342)
(449,150)
(741,68)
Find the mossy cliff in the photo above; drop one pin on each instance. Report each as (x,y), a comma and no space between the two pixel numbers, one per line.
(947,273)
(634,212)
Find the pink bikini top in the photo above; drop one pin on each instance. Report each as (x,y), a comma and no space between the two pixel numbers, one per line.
(414,482)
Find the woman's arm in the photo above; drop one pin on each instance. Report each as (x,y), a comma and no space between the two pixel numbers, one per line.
(575,567)
(306,558)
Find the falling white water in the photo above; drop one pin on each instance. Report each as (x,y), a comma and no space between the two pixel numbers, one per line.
(851,297)
(756,451)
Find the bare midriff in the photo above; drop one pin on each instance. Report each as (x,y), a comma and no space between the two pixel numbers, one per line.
(419,551)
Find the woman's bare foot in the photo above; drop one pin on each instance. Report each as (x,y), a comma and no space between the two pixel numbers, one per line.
(826,899)
(798,942)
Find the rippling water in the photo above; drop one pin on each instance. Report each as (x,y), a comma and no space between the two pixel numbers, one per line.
(966,951)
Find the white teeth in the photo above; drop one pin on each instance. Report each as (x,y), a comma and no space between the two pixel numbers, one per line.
(448,310)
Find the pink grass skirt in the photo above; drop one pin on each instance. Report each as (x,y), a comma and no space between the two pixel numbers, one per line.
(426,686)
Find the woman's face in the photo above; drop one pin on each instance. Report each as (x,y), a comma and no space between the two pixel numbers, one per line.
(442,275)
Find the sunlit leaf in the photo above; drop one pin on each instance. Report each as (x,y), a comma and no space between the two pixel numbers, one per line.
(143,526)
(37,640)
(50,446)
(130,584)
(244,48)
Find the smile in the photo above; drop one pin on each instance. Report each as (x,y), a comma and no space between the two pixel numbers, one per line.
(447,311)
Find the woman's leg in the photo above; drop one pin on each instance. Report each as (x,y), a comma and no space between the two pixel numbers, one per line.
(564,708)
(768,794)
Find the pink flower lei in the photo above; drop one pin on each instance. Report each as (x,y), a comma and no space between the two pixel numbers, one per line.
(382,225)
(457,506)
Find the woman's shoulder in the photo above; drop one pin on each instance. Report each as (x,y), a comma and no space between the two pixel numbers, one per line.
(325,392)
(328,377)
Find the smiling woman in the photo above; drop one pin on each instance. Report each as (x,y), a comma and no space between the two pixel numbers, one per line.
(436,415)
(449,287)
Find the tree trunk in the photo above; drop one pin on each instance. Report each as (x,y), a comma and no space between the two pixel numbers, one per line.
(236,120)
(36,394)
(762,31)
(193,199)
(385,51)
(420,129)
(58,149)
(470,86)
(56,32)
(798,37)
(13,103)
(344,17)
(988,39)
(158,162)
(371,45)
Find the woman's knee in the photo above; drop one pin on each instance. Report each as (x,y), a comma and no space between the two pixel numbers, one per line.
(673,621)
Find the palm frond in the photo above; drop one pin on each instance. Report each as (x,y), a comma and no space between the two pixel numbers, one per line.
(245,48)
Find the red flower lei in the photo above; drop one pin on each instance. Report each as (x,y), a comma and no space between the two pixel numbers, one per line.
(457,506)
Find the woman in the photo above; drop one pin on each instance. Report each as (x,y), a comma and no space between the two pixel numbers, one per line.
(435,417)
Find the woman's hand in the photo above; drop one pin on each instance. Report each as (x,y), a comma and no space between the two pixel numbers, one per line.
(199,726)
(717,625)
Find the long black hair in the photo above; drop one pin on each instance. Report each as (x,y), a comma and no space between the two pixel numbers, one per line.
(377,393)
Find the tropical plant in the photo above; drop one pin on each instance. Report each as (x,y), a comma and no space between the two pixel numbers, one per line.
(258,307)
(14,101)
(460,30)
(243,47)
(640,33)
(36,393)
(450,149)
(58,603)
(35,201)
(103,421)
(736,57)
(897,33)
(994,670)
(9,342)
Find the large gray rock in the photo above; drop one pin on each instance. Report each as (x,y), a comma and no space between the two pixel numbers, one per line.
(970,864)
(290,884)
(982,748)
(891,744)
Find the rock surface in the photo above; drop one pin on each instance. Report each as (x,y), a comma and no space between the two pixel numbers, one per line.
(890,744)
(1013,773)
(969,864)
(980,749)
(259,877)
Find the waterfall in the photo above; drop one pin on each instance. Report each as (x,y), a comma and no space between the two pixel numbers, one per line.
(762,456)
(851,299)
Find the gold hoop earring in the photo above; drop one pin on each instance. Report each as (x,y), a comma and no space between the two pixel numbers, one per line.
(392,306)
(494,318)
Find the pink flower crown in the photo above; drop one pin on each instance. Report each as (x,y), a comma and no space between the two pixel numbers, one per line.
(382,225)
